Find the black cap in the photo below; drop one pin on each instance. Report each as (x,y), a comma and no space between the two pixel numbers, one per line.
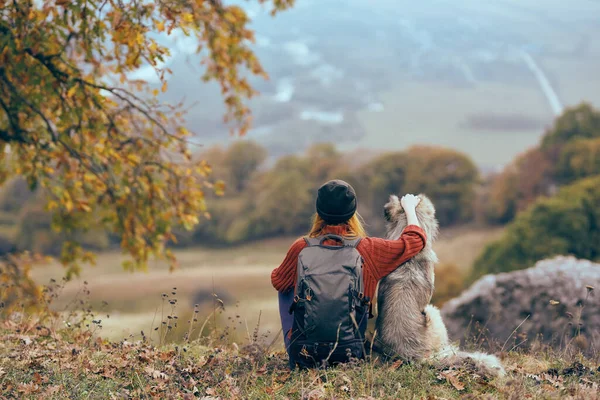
(336,201)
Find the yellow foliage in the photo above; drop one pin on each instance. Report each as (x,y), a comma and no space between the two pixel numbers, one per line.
(18,290)
(110,156)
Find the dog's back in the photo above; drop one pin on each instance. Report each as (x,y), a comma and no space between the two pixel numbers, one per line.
(407,326)
(403,296)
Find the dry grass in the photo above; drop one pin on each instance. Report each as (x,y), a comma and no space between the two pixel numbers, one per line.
(461,246)
(44,359)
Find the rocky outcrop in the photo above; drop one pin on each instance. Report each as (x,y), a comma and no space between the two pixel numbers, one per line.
(555,302)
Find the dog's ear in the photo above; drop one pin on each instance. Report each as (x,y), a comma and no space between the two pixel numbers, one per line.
(426,205)
(392,208)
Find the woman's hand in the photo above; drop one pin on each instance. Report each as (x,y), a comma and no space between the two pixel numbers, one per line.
(409,202)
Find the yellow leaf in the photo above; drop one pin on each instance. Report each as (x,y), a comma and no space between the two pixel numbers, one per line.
(164,87)
(134,158)
(160,26)
(187,17)
(139,38)
(219,188)
(71,91)
(68,204)
(155,92)
(229,17)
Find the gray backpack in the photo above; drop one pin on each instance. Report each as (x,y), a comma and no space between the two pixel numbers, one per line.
(330,309)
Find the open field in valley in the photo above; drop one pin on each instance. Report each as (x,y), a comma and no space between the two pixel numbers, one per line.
(240,276)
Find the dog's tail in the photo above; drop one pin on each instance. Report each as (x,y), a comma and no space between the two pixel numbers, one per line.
(482,363)
(448,355)
(437,335)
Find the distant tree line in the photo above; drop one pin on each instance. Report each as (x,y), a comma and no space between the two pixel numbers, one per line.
(262,201)
(568,151)
(547,196)
(550,196)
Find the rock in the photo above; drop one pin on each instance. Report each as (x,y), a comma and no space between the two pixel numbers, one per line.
(555,301)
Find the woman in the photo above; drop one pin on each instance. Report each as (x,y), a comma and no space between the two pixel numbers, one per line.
(336,215)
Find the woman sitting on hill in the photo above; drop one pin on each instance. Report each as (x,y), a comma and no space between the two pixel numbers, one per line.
(328,278)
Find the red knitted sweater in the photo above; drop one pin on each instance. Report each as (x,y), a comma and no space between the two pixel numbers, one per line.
(381,257)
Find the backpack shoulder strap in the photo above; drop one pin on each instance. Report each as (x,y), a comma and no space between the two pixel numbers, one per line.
(318,241)
(352,242)
(310,242)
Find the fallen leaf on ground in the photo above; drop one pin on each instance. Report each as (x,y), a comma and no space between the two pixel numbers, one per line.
(453,379)
(396,365)
(28,388)
(52,390)
(315,394)
(155,373)
(262,370)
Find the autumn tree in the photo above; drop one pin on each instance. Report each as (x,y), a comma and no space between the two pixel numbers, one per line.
(102,145)
(448,177)
(528,177)
(578,159)
(565,224)
(281,200)
(242,159)
(579,122)
(282,206)
(568,151)
(378,179)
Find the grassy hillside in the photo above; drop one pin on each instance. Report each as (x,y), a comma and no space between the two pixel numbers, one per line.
(43,359)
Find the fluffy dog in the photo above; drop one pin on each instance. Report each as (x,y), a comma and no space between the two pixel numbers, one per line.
(408,326)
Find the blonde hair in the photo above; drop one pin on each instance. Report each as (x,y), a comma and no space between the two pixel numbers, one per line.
(354,227)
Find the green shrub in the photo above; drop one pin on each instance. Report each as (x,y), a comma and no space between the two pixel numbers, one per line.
(223,213)
(283,207)
(580,122)
(568,223)
(579,159)
(242,159)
